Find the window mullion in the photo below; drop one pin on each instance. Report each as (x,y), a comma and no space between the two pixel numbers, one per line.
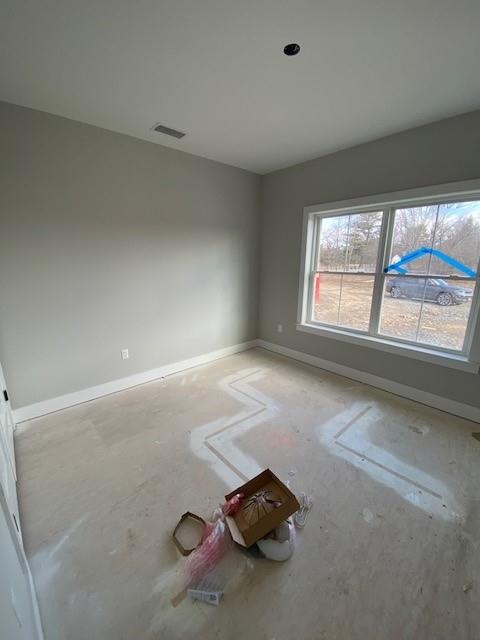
(385,244)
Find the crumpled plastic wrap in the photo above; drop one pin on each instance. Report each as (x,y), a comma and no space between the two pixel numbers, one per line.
(214,544)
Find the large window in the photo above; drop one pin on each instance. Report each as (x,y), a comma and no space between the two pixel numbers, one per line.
(403,272)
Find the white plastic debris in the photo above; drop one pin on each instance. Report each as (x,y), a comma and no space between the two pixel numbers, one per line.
(207,591)
(367,515)
(300,517)
(212,597)
(281,546)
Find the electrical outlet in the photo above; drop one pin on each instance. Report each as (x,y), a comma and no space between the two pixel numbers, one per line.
(279,328)
(124,353)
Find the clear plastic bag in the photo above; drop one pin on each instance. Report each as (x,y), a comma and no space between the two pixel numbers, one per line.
(216,541)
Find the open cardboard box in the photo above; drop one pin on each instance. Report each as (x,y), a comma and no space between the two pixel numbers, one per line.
(246,532)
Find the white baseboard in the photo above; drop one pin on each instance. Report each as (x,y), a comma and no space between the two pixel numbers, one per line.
(84,395)
(77,397)
(424,397)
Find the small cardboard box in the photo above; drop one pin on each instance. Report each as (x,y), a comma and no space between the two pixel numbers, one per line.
(243,530)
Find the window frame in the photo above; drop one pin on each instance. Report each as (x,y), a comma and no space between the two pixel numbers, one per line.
(468,359)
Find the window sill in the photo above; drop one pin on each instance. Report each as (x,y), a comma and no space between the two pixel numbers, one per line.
(419,353)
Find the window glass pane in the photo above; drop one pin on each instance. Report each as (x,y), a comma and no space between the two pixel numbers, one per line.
(412,231)
(400,312)
(326,298)
(349,242)
(431,311)
(343,300)
(440,240)
(445,326)
(457,235)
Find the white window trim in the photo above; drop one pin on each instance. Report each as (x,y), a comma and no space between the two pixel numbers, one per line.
(469,359)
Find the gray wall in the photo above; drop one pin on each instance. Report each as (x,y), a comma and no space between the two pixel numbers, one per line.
(109,242)
(445,151)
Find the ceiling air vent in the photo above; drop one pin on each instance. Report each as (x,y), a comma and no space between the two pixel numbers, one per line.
(167,131)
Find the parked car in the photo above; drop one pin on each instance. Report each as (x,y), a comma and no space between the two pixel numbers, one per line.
(434,289)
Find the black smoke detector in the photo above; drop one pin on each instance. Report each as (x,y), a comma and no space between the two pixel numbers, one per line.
(291,49)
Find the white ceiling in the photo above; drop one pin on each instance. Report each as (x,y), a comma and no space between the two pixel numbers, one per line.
(215,69)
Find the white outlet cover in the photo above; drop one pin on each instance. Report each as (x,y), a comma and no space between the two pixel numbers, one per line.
(124,353)
(279,328)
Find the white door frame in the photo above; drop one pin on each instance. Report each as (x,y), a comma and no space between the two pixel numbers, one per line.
(23,566)
(9,501)
(7,423)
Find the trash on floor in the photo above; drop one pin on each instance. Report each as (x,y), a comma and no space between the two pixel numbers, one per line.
(257,516)
(207,591)
(215,542)
(279,544)
(300,517)
(266,503)
(188,533)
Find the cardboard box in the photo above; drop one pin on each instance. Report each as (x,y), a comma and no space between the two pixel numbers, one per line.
(245,527)
(188,533)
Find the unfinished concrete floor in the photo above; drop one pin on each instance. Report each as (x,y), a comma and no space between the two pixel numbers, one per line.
(390,550)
